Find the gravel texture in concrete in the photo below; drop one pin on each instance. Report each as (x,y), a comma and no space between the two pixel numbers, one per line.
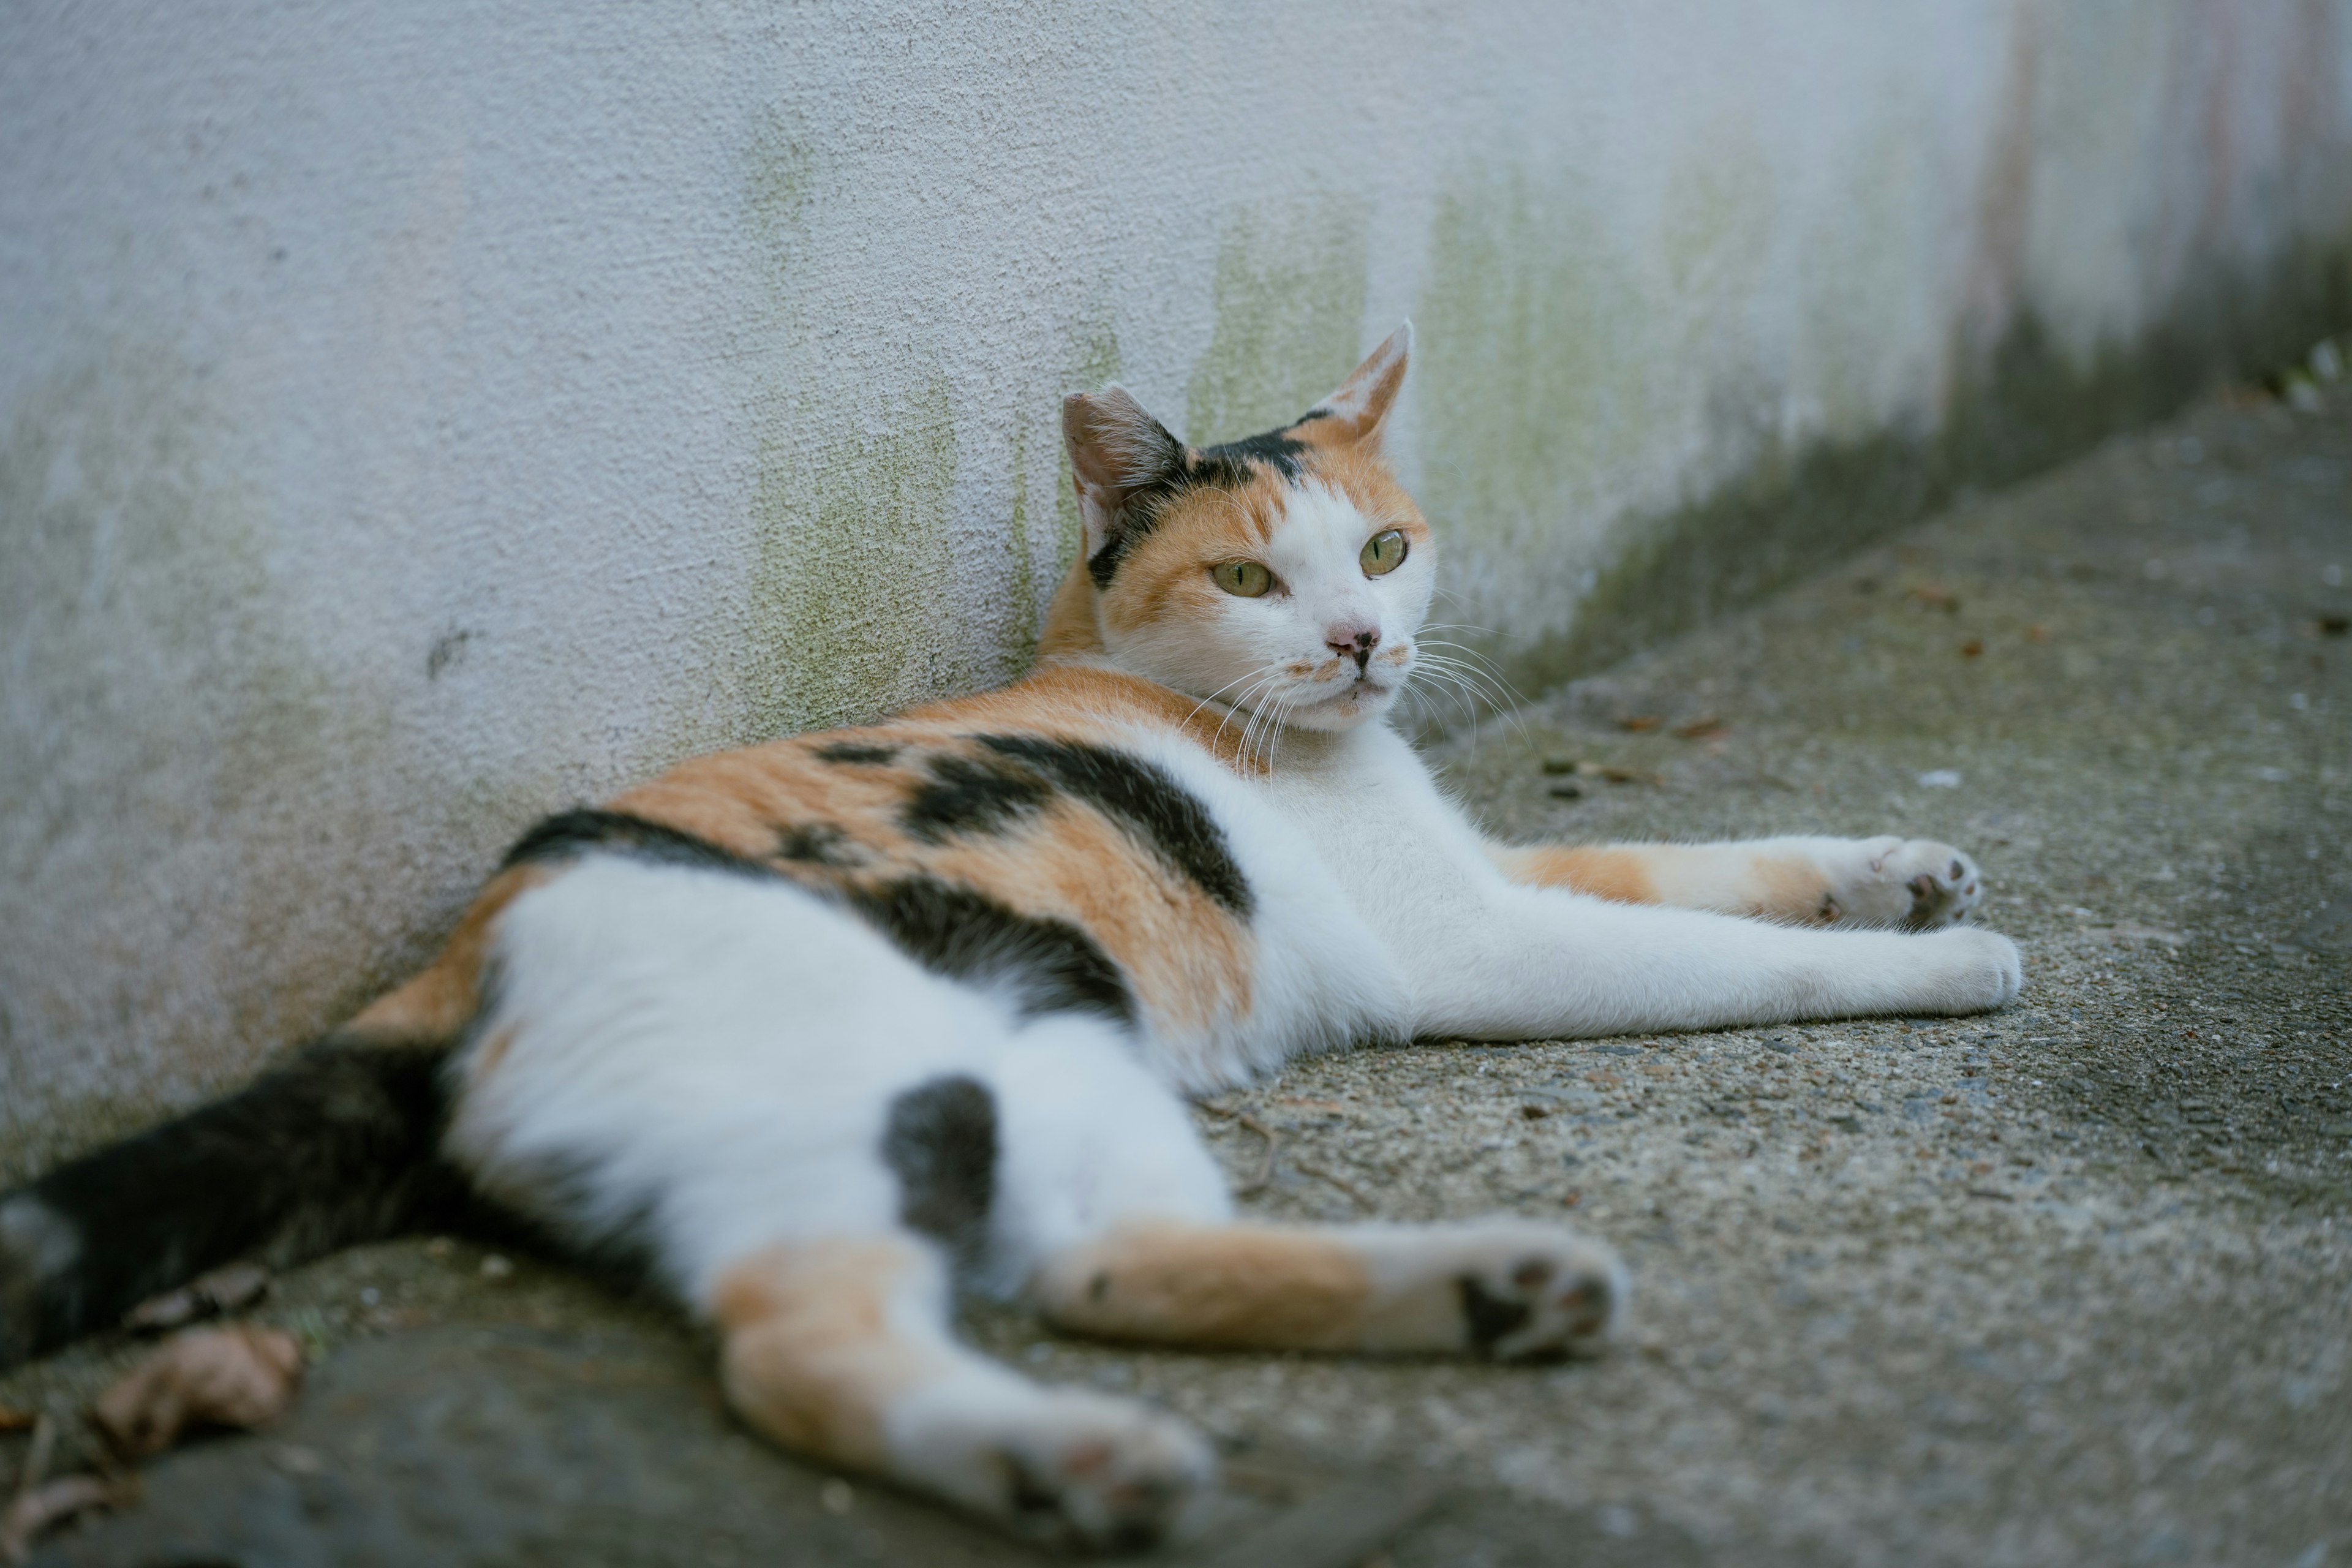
(2070,1283)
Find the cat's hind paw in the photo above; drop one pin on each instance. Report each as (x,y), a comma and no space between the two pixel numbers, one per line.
(1509,1289)
(1917,884)
(1066,1466)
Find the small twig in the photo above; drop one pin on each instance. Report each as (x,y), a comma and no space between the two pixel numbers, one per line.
(1265,1176)
(1333,1177)
(1258,1182)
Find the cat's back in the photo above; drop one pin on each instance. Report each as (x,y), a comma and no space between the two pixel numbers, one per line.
(1084,840)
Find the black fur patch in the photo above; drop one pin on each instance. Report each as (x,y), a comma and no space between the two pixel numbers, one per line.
(949,929)
(856,751)
(816,843)
(973,794)
(1227,467)
(1144,800)
(1489,1316)
(1277,449)
(940,1142)
(337,1145)
(569,835)
(967,935)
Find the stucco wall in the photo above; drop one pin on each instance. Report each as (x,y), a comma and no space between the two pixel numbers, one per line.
(415,416)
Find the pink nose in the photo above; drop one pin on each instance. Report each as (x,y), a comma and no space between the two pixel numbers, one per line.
(1353,642)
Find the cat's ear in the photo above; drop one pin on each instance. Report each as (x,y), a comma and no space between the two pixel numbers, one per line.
(1117,448)
(1362,401)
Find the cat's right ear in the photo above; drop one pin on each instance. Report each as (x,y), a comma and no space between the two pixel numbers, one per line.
(1116,449)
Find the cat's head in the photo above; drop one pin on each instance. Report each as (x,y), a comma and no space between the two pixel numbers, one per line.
(1288,573)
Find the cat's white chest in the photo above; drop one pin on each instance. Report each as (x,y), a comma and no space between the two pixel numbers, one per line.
(1408,867)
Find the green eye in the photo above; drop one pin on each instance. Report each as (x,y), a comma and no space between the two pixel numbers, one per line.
(1383,554)
(1246,579)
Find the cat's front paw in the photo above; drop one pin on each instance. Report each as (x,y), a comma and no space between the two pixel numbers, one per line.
(1917,884)
(1982,970)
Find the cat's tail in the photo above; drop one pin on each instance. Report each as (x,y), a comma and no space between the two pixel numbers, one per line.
(338,1144)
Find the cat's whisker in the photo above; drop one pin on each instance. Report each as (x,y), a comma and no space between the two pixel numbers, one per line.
(1472,666)
(1261,672)
(1445,680)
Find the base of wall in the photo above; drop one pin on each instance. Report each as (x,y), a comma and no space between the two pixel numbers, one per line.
(2029,408)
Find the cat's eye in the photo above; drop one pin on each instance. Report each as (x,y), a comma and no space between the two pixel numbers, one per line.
(1245,579)
(1383,554)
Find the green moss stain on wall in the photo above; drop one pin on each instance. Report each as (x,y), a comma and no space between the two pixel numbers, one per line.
(854,588)
(1532,380)
(1288,294)
(853,601)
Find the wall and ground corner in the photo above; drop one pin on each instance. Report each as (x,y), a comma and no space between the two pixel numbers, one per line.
(416,417)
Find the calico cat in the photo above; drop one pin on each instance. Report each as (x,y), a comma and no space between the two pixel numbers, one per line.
(819,1029)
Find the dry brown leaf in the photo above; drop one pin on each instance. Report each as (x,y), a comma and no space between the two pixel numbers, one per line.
(1704,726)
(1640,722)
(14,1420)
(38,1508)
(240,1376)
(206,1295)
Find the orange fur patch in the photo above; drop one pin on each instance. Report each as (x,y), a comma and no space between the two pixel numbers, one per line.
(809,1357)
(1230,1287)
(1605,871)
(1789,889)
(438,1003)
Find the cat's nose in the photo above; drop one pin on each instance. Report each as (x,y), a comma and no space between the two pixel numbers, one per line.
(1353,642)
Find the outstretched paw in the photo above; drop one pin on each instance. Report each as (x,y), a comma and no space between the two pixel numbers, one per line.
(1545,1292)
(1511,1290)
(1914,883)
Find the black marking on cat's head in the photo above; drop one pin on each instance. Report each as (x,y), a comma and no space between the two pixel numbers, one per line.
(1231,462)
(940,1141)
(1142,798)
(1487,1316)
(856,752)
(1227,467)
(1052,965)
(817,844)
(972,795)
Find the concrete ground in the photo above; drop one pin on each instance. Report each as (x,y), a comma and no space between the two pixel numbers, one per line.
(2068,1284)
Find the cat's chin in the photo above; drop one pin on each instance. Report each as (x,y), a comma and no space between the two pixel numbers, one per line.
(1358,705)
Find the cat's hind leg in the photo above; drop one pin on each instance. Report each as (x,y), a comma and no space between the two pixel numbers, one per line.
(1114,1221)
(1916,884)
(1506,1288)
(839,1349)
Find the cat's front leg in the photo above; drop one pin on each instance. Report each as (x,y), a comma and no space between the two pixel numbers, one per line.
(1914,884)
(1537,963)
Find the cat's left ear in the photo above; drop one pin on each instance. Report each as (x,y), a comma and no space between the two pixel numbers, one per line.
(1362,401)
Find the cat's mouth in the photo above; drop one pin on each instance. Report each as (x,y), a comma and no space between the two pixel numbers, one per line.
(1361,687)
